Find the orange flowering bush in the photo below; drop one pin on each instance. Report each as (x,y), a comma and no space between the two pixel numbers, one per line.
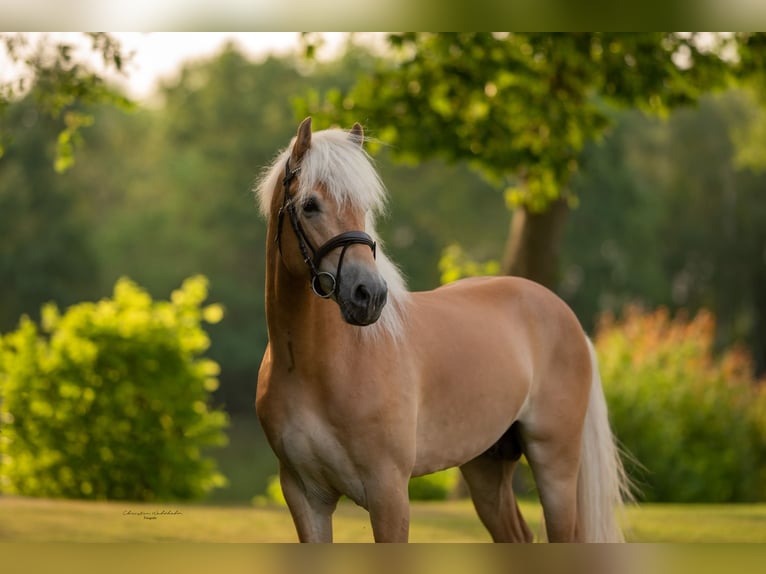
(693,418)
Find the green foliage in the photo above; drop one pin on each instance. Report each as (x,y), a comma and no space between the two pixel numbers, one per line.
(694,421)
(69,139)
(109,400)
(60,81)
(519,107)
(273,494)
(456,264)
(436,486)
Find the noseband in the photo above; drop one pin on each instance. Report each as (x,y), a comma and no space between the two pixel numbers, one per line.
(313,257)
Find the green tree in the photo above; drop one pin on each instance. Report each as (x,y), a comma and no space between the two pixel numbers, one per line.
(519,108)
(60,80)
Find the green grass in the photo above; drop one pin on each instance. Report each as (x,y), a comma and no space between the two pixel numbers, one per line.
(41,520)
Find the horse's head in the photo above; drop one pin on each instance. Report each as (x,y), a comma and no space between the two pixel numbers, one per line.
(322,221)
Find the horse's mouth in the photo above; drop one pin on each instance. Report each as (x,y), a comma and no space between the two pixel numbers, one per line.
(361,316)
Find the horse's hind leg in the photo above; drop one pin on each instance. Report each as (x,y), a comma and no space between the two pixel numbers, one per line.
(490,484)
(555,461)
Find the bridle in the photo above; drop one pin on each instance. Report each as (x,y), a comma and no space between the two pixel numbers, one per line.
(314,258)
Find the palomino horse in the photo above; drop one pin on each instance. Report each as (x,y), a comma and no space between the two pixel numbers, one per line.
(400,384)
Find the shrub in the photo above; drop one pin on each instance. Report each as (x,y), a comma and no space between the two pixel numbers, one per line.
(110,399)
(437,486)
(273,493)
(694,420)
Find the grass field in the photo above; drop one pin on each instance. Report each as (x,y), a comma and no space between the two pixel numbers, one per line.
(248,462)
(40,520)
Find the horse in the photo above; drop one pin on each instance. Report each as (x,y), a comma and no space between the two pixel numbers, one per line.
(365,384)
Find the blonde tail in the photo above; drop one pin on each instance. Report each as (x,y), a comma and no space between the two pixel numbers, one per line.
(602,486)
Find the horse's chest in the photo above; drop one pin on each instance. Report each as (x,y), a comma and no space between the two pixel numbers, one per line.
(314,452)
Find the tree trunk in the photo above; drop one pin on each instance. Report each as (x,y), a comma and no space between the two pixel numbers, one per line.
(534,243)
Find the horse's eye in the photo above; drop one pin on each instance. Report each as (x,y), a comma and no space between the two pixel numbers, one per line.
(310,206)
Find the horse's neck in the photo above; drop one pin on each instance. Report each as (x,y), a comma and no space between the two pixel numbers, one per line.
(300,324)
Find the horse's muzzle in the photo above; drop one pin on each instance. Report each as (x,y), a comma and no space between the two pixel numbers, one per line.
(362,296)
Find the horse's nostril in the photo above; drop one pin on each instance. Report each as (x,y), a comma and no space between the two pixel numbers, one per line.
(362,295)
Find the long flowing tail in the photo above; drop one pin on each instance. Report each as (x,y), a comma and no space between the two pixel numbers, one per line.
(603,486)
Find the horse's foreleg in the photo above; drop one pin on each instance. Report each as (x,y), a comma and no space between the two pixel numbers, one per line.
(490,482)
(389,506)
(311,514)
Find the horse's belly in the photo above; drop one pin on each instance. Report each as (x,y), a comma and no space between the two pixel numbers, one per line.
(452,436)
(466,406)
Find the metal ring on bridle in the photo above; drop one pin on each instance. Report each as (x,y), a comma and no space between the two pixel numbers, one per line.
(316,286)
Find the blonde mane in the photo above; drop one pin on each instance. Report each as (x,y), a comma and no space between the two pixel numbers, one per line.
(346,171)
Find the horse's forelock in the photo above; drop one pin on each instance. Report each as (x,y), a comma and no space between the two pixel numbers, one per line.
(336,162)
(344,170)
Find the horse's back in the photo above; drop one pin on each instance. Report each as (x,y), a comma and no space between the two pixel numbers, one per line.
(500,303)
(494,289)
(528,316)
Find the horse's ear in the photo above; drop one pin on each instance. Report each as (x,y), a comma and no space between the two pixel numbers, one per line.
(302,140)
(356,134)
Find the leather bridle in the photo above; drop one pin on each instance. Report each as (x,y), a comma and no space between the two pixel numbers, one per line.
(311,256)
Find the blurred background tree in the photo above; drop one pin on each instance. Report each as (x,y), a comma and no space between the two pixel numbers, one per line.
(45,253)
(60,76)
(668,217)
